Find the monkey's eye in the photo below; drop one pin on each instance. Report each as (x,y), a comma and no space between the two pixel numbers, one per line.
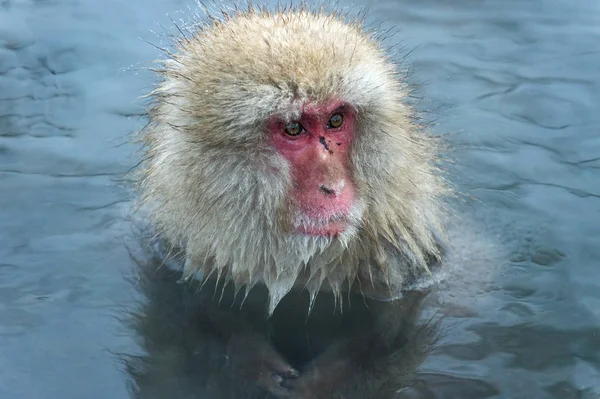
(293,128)
(335,121)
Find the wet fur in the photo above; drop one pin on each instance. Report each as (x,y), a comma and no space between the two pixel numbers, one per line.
(213,186)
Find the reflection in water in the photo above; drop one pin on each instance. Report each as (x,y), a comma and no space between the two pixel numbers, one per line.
(205,343)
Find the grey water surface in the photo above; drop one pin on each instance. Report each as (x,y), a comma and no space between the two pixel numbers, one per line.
(513,84)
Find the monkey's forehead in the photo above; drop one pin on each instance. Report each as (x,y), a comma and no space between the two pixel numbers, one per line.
(262,60)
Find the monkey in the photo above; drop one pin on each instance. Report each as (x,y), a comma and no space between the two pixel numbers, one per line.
(281,152)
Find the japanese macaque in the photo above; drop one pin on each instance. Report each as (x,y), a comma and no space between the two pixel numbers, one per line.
(281,151)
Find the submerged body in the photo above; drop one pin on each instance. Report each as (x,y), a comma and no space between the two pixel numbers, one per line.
(281,151)
(196,347)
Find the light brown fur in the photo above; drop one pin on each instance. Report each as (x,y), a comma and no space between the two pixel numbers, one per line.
(214,186)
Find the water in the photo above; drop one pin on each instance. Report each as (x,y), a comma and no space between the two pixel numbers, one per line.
(514,84)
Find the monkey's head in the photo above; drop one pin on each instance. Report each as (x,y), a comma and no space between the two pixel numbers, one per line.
(281,148)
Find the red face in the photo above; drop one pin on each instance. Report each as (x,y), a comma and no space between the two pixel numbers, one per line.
(317,146)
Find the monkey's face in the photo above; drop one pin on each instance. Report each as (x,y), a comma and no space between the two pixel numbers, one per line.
(316,145)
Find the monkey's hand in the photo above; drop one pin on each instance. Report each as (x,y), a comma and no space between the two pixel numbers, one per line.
(255,357)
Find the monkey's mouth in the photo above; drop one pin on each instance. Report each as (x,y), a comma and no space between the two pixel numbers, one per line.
(330,227)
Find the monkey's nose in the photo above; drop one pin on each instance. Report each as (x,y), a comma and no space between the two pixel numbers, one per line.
(334,189)
(326,190)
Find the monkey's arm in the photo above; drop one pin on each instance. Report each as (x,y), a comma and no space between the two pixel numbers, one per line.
(375,362)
